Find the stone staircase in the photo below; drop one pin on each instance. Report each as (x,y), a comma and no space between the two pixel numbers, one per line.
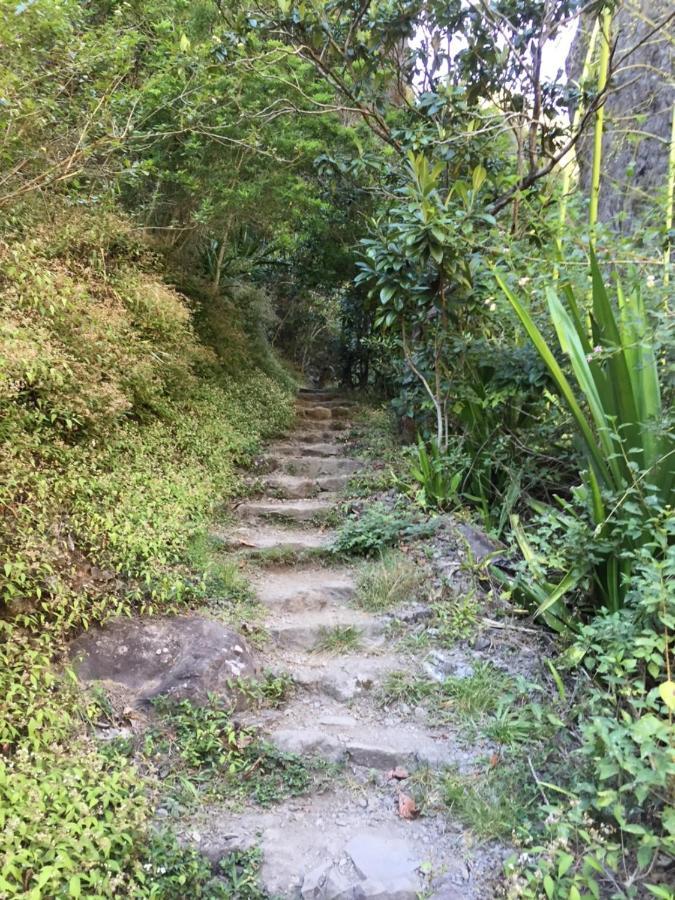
(349,842)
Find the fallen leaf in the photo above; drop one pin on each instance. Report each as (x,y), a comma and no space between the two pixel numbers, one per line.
(399,773)
(407,808)
(494,760)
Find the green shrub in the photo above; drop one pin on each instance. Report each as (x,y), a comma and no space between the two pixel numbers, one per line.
(70,823)
(615,819)
(435,478)
(377,527)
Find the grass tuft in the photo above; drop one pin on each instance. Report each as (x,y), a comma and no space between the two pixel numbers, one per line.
(390,580)
(340,639)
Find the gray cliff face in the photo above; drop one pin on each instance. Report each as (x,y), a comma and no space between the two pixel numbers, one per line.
(637,115)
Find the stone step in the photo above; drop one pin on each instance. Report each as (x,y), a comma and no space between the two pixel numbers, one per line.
(269,537)
(330,402)
(305,630)
(338,404)
(323,413)
(333,427)
(298,487)
(346,677)
(310,435)
(304,588)
(314,411)
(343,738)
(291,448)
(326,397)
(315,467)
(288,510)
(307,393)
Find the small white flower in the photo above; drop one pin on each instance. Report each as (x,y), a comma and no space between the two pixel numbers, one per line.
(493,307)
(650,281)
(523,281)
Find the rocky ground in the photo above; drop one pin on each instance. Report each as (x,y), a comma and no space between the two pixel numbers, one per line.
(360,836)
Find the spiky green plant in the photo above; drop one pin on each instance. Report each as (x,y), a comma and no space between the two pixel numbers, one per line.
(437,484)
(614,396)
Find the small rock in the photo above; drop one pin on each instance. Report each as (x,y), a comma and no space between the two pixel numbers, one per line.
(479,543)
(400,888)
(337,887)
(442,664)
(415,614)
(381,859)
(312,883)
(482,642)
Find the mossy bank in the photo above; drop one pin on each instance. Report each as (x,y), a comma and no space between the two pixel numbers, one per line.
(125,407)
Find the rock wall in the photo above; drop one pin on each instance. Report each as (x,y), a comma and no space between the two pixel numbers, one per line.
(637,115)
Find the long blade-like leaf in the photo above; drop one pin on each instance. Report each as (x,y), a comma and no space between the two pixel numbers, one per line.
(561,381)
(570,343)
(610,335)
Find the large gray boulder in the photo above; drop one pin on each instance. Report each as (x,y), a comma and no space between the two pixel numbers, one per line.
(182,657)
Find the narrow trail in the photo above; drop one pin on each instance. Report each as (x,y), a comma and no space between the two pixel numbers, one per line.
(348,841)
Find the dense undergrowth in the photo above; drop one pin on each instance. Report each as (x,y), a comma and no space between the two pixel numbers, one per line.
(122,425)
(582,784)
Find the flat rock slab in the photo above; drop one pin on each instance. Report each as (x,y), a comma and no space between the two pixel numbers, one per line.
(298,487)
(381,859)
(316,466)
(183,657)
(304,449)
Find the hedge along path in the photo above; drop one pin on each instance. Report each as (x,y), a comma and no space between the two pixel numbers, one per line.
(360,837)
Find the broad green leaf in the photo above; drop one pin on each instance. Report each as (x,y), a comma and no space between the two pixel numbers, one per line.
(565,861)
(667,694)
(478,177)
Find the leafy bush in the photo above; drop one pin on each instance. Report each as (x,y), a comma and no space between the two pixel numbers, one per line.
(70,824)
(377,527)
(436,478)
(617,820)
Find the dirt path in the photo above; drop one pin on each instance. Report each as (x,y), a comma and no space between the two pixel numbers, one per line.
(349,841)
